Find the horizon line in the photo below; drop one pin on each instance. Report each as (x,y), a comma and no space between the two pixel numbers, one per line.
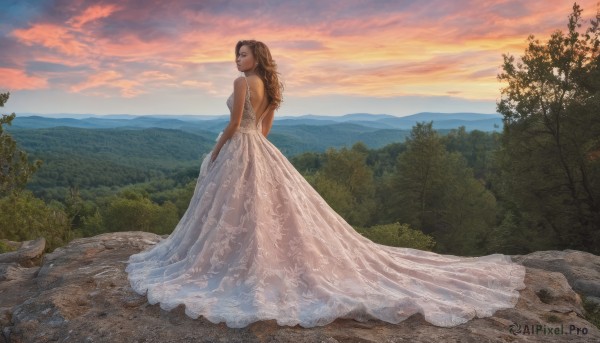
(30,114)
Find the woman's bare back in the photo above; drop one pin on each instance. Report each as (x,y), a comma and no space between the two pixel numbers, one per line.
(258,97)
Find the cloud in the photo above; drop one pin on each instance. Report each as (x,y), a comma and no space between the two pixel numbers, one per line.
(303,45)
(92,13)
(52,37)
(109,79)
(15,79)
(379,49)
(154,75)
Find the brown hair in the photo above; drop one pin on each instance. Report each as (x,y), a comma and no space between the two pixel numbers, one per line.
(266,69)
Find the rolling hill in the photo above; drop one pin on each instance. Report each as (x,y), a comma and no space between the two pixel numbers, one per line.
(471,121)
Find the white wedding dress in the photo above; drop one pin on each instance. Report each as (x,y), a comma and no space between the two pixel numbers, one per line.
(257,242)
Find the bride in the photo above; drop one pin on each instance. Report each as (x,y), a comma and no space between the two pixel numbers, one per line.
(257,242)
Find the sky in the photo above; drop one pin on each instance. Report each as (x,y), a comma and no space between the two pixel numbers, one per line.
(335,57)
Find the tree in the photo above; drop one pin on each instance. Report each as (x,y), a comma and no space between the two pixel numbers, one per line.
(25,217)
(435,191)
(475,146)
(398,235)
(419,179)
(467,210)
(346,183)
(133,211)
(15,169)
(550,173)
(307,162)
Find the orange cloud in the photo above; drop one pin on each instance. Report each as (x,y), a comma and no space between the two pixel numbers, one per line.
(110,79)
(16,79)
(128,48)
(433,48)
(96,80)
(128,88)
(53,37)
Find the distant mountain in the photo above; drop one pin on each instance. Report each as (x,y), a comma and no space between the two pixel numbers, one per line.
(366,116)
(138,148)
(290,139)
(289,121)
(189,123)
(345,117)
(119,116)
(441,121)
(37,122)
(295,139)
(426,116)
(76,115)
(91,158)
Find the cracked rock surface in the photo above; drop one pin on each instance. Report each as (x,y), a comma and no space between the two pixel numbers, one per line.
(80,293)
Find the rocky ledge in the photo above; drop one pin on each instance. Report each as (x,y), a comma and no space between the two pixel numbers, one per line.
(80,293)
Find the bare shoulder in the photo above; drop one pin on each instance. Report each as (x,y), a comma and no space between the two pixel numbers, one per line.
(239,85)
(239,82)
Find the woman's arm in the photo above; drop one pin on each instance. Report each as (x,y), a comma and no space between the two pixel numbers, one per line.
(267,121)
(239,95)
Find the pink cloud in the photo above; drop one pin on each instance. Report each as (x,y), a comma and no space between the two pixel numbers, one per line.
(382,49)
(110,79)
(96,80)
(53,37)
(92,13)
(16,79)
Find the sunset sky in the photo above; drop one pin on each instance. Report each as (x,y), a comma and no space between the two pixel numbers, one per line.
(335,57)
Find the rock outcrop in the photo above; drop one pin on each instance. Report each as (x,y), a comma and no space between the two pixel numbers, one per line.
(80,293)
(581,269)
(28,254)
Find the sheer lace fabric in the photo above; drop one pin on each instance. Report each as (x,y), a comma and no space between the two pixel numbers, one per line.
(257,242)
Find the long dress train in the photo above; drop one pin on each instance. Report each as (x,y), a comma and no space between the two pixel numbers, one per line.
(257,242)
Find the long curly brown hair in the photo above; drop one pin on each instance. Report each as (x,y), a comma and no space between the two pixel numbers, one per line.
(266,69)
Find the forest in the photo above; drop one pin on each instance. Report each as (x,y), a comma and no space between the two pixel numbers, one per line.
(533,186)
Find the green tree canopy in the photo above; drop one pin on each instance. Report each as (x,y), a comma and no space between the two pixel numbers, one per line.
(22,215)
(398,235)
(134,211)
(549,163)
(435,191)
(346,183)
(15,168)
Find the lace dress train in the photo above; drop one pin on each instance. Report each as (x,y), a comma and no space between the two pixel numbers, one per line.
(257,242)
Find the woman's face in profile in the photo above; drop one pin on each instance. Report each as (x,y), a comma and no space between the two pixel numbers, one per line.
(245,60)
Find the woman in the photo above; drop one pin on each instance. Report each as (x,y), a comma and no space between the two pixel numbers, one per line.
(257,242)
